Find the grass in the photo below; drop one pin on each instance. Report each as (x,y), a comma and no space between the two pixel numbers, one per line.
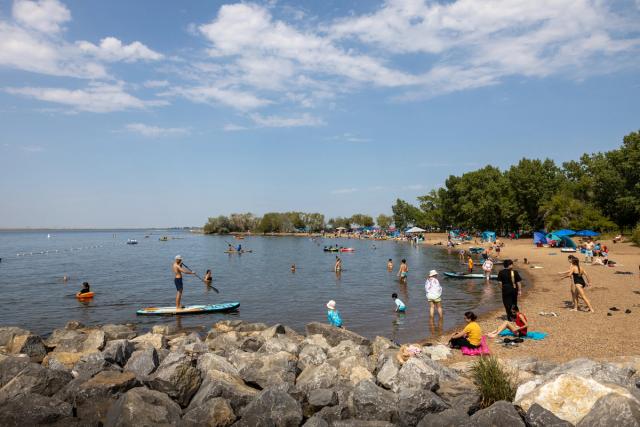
(493,381)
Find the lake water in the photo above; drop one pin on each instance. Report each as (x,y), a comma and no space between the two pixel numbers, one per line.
(128,277)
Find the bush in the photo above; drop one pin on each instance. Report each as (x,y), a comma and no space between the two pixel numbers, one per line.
(635,235)
(494,383)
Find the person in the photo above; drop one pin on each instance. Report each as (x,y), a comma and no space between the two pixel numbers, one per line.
(434,293)
(65,278)
(408,351)
(461,255)
(230,248)
(178,271)
(333,315)
(511,287)
(497,249)
(580,281)
(85,288)
(338,266)
(239,249)
(588,254)
(519,328)
(470,336)
(293,268)
(390,265)
(403,271)
(400,307)
(470,264)
(487,268)
(208,277)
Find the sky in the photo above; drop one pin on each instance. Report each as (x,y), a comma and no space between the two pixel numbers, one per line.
(163,113)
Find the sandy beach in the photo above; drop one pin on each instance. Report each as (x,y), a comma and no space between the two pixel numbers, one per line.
(571,334)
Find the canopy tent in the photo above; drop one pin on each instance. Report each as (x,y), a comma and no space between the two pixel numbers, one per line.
(453,233)
(489,236)
(539,237)
(564,232)
(562,241)
(340,228)
(587,233)
(415,230)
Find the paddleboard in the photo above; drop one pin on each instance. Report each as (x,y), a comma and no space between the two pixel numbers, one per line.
(241,252)
(190,309)
(567,250)
(468,276)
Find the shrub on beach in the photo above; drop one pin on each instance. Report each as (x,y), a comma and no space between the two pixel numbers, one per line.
(493,381)
(635,236)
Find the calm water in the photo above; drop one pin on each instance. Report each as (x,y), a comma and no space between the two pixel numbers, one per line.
(127,277)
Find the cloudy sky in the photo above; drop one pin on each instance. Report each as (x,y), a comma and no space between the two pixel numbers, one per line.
(157,113)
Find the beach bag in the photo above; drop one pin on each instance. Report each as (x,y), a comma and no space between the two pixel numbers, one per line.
(483,349)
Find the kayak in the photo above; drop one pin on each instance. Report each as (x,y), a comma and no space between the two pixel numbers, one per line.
(86,295)
(467,275)
(224,307)
(347,250)
(238,252)
(331,249)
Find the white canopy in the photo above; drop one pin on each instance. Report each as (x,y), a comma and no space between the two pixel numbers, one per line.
(415,230)
(340,228)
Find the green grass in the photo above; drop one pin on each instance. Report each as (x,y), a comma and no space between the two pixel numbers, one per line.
(494,382)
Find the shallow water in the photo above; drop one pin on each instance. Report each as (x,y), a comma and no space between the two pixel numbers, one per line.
(128,277)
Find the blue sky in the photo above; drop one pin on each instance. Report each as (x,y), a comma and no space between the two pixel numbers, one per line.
(160,113)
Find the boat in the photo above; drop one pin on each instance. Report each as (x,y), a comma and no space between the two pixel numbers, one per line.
(453,275)
(84,296)
(163,239)
(347,250)
(331,249)
(476,250)
(132,242)
(239,252)
(224,307)
(568,250)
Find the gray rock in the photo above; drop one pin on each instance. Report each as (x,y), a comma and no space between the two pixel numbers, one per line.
(315,377)
(94,341)
(118,351)
(537,416)
(331,414)
(447,418)
(362,423)
(311,355)
(119,332)
(143,362)
(11,366)
(215,413)
(414,404)
(251,327)
(348,348)
(265,369)
(353,369)
(317,340)
(321,397)
(334,335)
(380,344)
(157,341)
(29,344)
(34,409)
(613,410)
(416,374)
(601,372)
(252,344)
(315,421)
(60,335)
(180,343)
(280,343)
(226,343)
(388,373)
(178,377)
(371,402)
(213,362)
(279,329)
(8,332)
(143,407)
(90,364)
(165,329)
(222,384)
(500,414)
(272,407)
(35,379)
(437,352)
(73,325)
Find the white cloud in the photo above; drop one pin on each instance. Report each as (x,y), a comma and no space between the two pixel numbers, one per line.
(112,50)
(213,95)
(305,119)
(155,131)
(232,127)
(46,16)
(344,191)
(96,98)
(155,83)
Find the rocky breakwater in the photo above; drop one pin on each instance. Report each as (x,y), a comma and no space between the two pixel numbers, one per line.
(251,374)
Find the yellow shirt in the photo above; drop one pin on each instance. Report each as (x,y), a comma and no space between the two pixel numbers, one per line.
(474,333)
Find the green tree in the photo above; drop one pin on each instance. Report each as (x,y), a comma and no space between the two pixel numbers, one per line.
(384,221)
(405,214)
(564,211)
(362,220)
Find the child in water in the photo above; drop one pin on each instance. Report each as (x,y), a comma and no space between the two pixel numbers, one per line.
(403,271)
(470,264)
(333,315)
(390,264)
(400,307)
(85,288)
(293,268)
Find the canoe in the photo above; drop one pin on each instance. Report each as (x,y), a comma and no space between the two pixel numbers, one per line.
(347,250)
(86,295)
(467,275)
(224,307)
(331,250)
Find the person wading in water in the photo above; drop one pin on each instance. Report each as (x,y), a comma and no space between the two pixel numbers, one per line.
(178,270)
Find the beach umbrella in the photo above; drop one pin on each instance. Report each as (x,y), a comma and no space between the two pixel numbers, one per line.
(340,228)
(564,232)
(415,230)
(587,233)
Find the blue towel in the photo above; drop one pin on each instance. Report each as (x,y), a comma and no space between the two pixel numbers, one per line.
(531,335)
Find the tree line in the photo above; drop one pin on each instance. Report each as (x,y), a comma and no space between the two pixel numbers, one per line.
(599,191)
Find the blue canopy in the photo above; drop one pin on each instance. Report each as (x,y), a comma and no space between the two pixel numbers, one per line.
(553,236)
(564,232)
(587,233)
(539,237)
(566,242)
(489,236)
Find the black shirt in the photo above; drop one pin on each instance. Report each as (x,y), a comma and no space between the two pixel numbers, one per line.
(504,277)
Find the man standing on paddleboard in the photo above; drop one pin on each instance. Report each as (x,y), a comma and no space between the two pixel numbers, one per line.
(178,270)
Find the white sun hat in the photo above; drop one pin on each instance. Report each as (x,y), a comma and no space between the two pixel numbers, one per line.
(178,257)
(433,273)
(331,305)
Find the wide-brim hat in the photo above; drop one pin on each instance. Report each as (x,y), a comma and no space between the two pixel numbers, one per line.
(331,305)
(433,273)
(178,257)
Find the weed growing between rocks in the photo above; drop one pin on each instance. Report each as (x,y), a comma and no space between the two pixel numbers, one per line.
(493,381)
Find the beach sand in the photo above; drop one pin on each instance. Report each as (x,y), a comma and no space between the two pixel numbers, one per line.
(571,334)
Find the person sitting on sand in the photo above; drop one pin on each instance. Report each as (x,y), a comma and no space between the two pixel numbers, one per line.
(208,277)
(470,336)
(333,315)
(519,328)
(85,288)
(400,307)
(403,271)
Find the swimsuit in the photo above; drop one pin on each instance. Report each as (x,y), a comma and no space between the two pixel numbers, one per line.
(403,274)
(578,280)
(178,282)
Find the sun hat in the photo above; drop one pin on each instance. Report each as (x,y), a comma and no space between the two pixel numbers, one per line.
(179,257)
(331,305)
(433,273)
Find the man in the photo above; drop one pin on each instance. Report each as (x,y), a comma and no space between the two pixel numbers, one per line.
(511,287)
(178,270)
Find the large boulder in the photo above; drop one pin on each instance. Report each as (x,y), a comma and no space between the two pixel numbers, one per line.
(315,377)
(212,362)
(265,369)
(35,379)
(371,402)
(601,372)
(353,369)
(311,355)
(8,332)
(164,329)
(321,397)
(118,351)
(388,373)
(11,366)
(334,335)
(94,341)
(416,373)
(452,417)
(414,404)
(226,385)
(90,364)
(143,362)
(280,343)
(157,341)
(613,410)
(178,377)
(62,360)
(537,416)
(281,330)
(217,412)
(119,332)
(143,407)
(271,407)
(567,396)
(225,343)
(500,414)
(437,352)
(34,409)
(317,340)
(29,344)
(348,348)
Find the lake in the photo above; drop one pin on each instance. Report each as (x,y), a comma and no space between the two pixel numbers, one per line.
(128,277)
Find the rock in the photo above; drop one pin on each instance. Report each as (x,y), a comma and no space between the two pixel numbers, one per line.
(354,369)
(181,343)
(311,355)
(143,407)
(332,414)
(315,421)
(279,330)
(613,410)
(177,376)
(215,413)
(448,418)
(226,342)
(334,335)
(600,372)
(118,351)
(272,407)
(317,340)
(62,360)
(222,384)
(348,348)
(280,343)
(213,362)
(166,329)
(227,325)
(531,365)
(361,423)
(29,344)
(500,414)
(73,325)
(156,341)
(11,366)
(94,341)
(461,395)
(252,344)
(34,409)
(119,332)
(388,373)
(416,374)
(143,362)
(315,377)
(437,352)
(537,416)
(35,379)
(265,369)
(379,345)
(414,404)
(90,364)
(567,396)
(251,327)
(371,402)
(65,338)
(321,397)
(8,332)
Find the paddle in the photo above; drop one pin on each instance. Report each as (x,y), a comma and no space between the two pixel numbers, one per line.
(196,274)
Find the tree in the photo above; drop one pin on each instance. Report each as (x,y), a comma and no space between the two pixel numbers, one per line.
(340,222)
(314,222)
(384,221)
(405,214)
(563,211)
(362,220)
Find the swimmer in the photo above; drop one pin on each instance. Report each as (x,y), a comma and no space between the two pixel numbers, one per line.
(338,266)
(208,277)
(85,288)
(293,268)
(403,271)
(390,265)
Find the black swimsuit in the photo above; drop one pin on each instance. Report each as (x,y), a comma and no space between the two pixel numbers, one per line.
(578,279)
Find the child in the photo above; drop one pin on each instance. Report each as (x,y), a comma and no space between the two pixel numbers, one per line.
(390,265)
(434,293)
(470,264)
(403,271)
(333,315)
(400,307)
(85,288)
(293,268)
(208,277)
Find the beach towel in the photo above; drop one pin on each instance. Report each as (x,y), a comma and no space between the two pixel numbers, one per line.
(537,336)
(483,349)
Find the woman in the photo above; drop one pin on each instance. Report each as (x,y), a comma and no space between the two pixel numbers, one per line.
(566,274)
(580,281)
(470,336)
(519,328)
